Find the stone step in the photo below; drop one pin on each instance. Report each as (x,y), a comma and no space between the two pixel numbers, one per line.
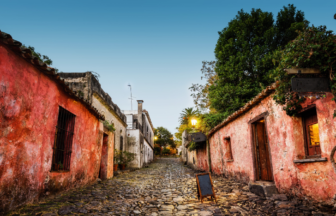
(263,188)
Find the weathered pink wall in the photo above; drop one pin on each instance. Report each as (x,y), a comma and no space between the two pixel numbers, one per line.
(29,102)
(315,180)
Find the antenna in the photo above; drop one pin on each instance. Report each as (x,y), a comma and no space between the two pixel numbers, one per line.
(131,98)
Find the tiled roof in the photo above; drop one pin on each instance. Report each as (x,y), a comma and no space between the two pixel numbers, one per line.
(16,46)
(266,92)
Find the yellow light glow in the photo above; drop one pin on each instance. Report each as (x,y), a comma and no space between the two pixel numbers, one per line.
(155,138)
(314,134)
(193,122)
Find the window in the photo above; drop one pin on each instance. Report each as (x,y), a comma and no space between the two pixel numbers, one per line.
(63,140)
(121,143)
(228,153)
(311,133)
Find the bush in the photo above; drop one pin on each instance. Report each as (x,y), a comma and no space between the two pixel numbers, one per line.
(157,150)
(165,151)
(126,157)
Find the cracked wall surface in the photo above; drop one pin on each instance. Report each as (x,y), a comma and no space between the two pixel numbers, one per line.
(286,143)
(29,103)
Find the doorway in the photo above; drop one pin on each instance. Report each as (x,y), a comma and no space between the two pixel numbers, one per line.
(261,151)
(104,157)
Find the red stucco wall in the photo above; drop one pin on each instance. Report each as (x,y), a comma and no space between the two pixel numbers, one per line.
(29,102)
(315,181)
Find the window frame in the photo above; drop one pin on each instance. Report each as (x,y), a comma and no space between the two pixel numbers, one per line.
(63,140)
(227,141)
(307,143)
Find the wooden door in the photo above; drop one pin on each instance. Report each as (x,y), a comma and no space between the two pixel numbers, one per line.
(312,134)
(263,164)
(104,159)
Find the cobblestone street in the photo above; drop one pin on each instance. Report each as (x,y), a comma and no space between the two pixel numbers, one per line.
(166,187)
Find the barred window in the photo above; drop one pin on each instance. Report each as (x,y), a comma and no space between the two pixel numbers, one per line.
(63,140)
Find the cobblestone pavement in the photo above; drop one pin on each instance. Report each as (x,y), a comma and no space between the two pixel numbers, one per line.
(166,187)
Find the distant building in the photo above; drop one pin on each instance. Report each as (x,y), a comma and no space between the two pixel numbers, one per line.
(140,135)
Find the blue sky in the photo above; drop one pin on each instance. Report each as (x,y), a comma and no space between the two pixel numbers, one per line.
(157,46)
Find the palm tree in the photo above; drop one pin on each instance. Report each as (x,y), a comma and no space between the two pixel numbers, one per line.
(187,114)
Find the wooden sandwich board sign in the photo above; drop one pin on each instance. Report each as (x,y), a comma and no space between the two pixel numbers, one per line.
(204,186)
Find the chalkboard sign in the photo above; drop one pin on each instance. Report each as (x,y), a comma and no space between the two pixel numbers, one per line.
(204,186)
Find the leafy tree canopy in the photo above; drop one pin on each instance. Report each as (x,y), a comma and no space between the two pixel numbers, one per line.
(244,65)
(164,137)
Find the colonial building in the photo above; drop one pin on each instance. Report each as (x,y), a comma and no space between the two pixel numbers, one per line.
(88,86)
(140,136)
(260,143)
(51,138)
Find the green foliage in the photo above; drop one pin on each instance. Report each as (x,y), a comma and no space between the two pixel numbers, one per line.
(126,157)
(313,48)
(165,151)
(42,58)
(116,157)
(187,114)
(243,65)
(157,150)
(200,92)
(109,126)
(193,146)
(210,120)
(164,137)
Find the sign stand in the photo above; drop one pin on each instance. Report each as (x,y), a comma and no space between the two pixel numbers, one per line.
(204,186)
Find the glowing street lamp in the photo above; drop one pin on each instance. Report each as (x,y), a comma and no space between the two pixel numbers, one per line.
(193,122)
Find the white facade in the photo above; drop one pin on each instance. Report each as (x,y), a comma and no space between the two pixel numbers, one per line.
(140,136)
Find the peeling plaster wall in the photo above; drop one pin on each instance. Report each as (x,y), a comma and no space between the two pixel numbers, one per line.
(29,103)
(192,159)
(147,153)
(133,146)
(119,125)
(316,181)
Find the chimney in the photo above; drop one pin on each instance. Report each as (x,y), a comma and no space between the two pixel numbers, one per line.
(140,111)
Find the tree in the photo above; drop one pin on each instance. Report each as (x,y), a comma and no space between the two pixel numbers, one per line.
(243,60)
(187,114)
(164,137)
(200,92)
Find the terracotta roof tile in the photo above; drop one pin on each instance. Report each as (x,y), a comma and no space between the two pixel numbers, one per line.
(266,92)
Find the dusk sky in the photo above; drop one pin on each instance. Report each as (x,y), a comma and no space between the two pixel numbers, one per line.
(156,46)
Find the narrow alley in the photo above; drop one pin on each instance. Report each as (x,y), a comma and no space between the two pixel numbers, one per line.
(166,187)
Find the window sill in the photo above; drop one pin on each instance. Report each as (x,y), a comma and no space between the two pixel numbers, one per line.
(229,160)
(60,171)
(311,160)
